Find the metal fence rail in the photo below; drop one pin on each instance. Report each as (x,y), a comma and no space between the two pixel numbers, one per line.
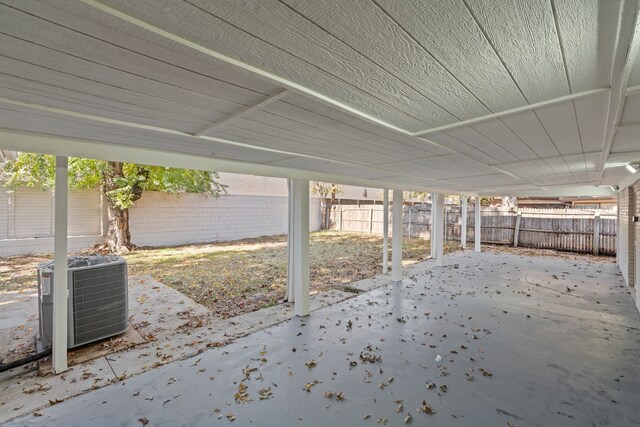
(561,229)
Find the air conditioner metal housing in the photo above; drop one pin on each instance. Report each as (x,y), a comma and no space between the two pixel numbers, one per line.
(97,300)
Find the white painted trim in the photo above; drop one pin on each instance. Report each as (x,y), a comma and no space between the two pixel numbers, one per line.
(60,289)
(385,231)
(517,110)
(396,237)
(214,54)
(299,217)
(279,94)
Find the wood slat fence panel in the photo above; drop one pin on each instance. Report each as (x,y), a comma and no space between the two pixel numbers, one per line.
(560,229)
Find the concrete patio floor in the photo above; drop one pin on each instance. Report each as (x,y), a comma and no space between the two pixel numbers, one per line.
(523,341)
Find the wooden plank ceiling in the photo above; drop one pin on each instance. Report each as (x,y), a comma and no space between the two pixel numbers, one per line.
(460,96)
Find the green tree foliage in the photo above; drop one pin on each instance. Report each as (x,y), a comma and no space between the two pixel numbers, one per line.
(122,184)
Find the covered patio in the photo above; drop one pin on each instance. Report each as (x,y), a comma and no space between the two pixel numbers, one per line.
(463,97)
(548,341)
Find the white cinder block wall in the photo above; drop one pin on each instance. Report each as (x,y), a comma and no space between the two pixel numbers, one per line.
(160,219)
(255,206)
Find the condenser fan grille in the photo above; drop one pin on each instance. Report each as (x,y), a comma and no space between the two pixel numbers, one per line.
(100,302)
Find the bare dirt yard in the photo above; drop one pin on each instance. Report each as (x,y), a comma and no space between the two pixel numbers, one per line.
(232,278)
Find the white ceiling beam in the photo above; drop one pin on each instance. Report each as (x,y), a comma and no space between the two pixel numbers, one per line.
(627,43)
(166,130)
(544,159)
(103,150)
(625,158)
(296,87)
(632,90)
(279,94)
(516,110)
(556,191)
(401,162)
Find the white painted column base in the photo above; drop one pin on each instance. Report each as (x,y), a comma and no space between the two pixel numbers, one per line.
(385,231)
(478,225)
(298,269)
(60,289)
(396,237)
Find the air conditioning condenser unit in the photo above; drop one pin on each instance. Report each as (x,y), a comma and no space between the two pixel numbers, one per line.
(97,299)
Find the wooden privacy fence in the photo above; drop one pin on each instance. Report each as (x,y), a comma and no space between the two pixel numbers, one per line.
(562,229)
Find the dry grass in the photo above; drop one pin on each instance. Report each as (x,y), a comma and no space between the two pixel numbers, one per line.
(232,278)
(235,278)
(18,273)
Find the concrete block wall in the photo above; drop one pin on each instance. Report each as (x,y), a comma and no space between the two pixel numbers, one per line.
(256,206)
(26,221)
(163,219)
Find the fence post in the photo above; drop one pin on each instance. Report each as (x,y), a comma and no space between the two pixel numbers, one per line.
(596,233)
(516,232)
(409,210)
(339,218)
(370,220)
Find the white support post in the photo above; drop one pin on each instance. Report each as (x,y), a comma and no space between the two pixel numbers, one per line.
(516,231)
(298,279)
(291,297)
(60,290)
(596,233)
(478,224)
(439,227)
(433,228)
(463,229)
(396,237)
(385,231)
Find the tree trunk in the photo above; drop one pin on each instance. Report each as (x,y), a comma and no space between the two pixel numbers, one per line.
(329,207)
(118,239)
